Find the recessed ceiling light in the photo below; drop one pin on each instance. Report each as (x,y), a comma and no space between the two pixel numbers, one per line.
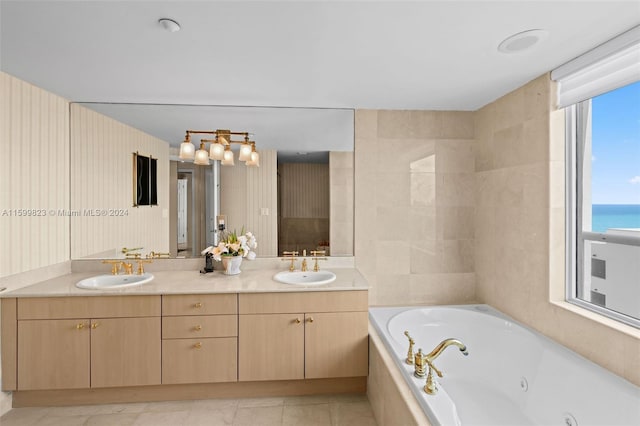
(521,41)
(169,24)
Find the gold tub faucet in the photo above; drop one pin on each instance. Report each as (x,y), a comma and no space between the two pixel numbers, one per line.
(412,342)
(435,353)
(424,363)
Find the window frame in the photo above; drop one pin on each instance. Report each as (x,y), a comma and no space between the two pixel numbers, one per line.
(577,122)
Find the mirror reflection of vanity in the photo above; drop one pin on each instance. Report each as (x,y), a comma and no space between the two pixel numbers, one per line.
(301,196)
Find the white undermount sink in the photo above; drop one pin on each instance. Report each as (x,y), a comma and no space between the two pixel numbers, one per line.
(305,278)
(113,282)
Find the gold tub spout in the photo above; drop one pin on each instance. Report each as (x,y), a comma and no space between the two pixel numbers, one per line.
(426,362)
(431,356)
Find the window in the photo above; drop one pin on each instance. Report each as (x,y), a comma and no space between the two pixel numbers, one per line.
(603,200)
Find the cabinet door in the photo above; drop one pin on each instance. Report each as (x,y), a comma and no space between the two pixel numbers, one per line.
(53,354)
(125,352)
(271,347)
(199,360)
(336,345)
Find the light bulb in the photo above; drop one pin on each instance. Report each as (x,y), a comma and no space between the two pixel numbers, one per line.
(216,151)
(254,161)
(245,152)
(201,157)
(187,150)
(227,160)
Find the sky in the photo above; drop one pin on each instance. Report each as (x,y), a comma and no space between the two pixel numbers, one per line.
(615,159)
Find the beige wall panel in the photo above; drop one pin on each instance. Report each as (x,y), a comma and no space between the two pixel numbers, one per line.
(519,224)
(304,190)
(34,177)
(342,203)
(102,179)
(244,192)
(414,203)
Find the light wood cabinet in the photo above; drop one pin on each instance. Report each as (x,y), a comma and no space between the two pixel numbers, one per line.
(199,326)
(58,353)
(199,338)
(53,354)
(110,342)
(125,352)
(271,347)
(199,304)
(207,360)
(336,344)
(328,337)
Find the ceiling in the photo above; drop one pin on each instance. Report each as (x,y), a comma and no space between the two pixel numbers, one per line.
(341,54)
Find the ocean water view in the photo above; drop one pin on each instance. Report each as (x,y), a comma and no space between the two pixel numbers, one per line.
(605,216)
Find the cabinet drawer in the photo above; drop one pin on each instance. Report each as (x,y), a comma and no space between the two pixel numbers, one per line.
(316,301)
(199,360)
(196,326)
(200,304)
(88,307)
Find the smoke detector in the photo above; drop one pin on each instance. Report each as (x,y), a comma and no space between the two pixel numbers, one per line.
(169,24)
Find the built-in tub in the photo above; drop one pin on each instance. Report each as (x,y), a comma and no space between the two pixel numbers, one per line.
(512,375)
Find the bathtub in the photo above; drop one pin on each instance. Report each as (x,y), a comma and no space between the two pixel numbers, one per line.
(512,375)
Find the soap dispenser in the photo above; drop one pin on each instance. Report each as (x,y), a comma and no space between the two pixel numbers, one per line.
(208,265)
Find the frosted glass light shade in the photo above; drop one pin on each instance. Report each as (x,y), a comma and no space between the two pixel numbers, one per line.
(187,151)
(216,151)
(227,160)
(245,152)
(254,161)
(201,158)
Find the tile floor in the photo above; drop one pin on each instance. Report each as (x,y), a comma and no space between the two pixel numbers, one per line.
(320,410)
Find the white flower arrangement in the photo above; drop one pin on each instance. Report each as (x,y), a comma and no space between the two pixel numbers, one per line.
(233,245)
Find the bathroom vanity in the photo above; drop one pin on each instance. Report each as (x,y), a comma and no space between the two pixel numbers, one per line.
(184,336)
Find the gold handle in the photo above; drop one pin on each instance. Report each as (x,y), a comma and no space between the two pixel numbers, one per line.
(197,305)
(298,321)
(94,325)
(198,327)
(80,326)
(310,319)
(197,345)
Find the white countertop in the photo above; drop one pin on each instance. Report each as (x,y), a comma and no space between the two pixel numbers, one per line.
(192,282)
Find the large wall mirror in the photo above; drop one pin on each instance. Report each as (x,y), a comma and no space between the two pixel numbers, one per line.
(299,198)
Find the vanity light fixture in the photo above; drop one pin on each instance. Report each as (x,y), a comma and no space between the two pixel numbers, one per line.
(219,148)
